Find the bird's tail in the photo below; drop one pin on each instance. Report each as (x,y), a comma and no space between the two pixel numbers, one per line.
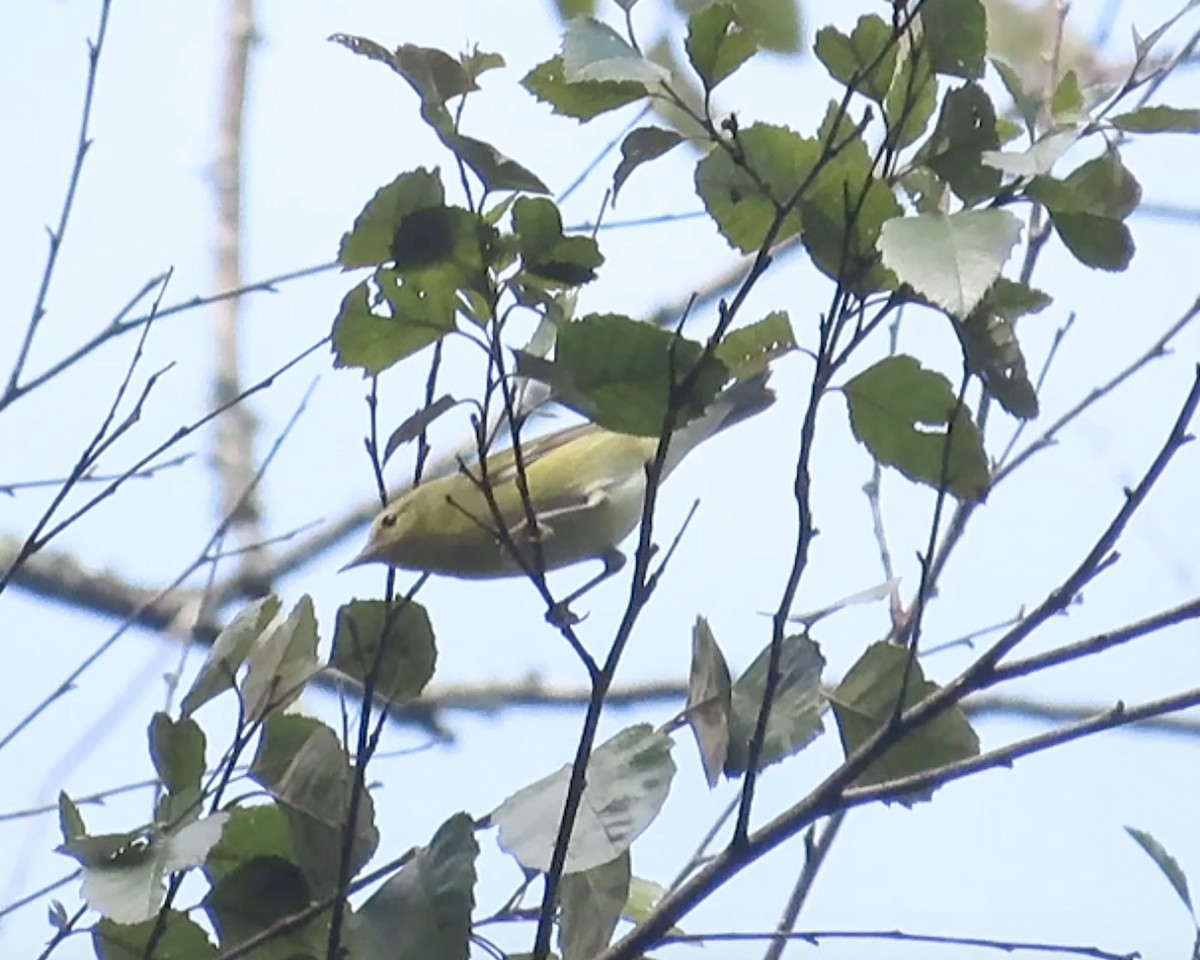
(743,399)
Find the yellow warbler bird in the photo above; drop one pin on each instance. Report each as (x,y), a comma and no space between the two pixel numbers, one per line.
(586,488)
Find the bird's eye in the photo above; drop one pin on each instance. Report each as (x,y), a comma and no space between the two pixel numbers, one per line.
(388,520)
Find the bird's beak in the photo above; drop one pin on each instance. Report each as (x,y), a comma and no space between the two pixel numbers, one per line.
(365,556)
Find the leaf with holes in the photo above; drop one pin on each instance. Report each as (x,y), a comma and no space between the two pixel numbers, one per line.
(902,413)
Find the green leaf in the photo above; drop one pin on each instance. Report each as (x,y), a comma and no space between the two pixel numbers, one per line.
(751,349)
(902,412)
(1067,102)
(1008,130)
(412,317)
(405,635)
(494,170)
(994,353)
(127,849)
(1158,120)
(70,820)
(179,938)
(228,651)
(951,260)
(965,129)
(865,701)
(412,427)
(446,247)
(436,76)
(795,719)
(718,43)
(619,373)
(644,896)
(1010,299)
(1027,106)
(911,100)
(302,764)
(927,191)
(955,35)
(567,9)
(1087,209)
(1038,159)
(583,101)
(638,147)
(177,749)
(990,341)
(843,212)
(124,874)
(708,702)
(1166,863)
(742,208)
(1095,241)
(680,116)
(628,778)
(478,62)
(282,663)
(1103,187)
(591,904)
(595,52)
(775,24)
(256,895)
(865,59)
(369,242)
(424,911)
(251,831)
(547,255)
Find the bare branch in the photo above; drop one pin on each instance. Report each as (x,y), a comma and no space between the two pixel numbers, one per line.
(233,440)
(56,235)
(119,325)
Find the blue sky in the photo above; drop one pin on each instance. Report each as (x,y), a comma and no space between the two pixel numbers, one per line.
(1035,853)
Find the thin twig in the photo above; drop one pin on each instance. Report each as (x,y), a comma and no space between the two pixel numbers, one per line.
(101,441)
(86,663)
(828,361)
(814,938)
(964,511)
(35,543)
(817,853)
(88,477)
(836,793)
(83,144)
(119,326)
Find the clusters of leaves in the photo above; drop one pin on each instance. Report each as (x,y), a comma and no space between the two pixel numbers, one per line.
(272,859)
(918,210)
(890,209)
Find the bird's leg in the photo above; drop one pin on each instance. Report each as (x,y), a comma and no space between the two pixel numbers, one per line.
(560,614)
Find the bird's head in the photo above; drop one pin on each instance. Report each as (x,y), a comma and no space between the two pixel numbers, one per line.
(386,537)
